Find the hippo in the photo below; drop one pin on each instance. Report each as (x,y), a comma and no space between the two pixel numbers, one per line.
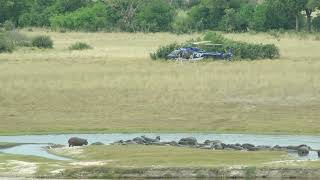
(303,151)
(190,141)
(75,141)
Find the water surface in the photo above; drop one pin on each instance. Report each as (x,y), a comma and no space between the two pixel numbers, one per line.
(269,140)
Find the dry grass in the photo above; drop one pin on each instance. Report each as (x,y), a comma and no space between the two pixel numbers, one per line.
(116,87)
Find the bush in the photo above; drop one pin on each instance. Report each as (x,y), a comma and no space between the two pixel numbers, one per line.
(9,25)
(5,44)
(44,42)
(243,50)
(214,37)
(164,51)
(18,39)
(80,46)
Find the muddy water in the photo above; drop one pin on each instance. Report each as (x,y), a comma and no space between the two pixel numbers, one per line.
(270,140)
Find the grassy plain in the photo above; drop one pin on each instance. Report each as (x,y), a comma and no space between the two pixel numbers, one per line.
(149,156)
(103,159)
(115,87)
(138,157)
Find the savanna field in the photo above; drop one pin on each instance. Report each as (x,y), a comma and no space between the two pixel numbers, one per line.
(116,87)
(87,90)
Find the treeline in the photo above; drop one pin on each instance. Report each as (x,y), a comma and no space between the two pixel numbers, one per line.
(180,16)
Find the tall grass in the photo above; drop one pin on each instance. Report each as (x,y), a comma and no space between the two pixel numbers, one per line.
(115,87)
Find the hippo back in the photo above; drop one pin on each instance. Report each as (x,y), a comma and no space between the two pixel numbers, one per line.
(75,141)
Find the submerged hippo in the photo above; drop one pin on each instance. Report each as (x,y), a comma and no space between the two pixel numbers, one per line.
(75,141)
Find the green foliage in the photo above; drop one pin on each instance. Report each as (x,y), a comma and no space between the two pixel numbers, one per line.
(155,16)
(214,37)
(244,17)
(88,18)
(43,10)
(9,25)
(18,39)
(43,42)
(237,20)
(242,50)
(122,14)
(208,13)
(13,9)
(259,18)
(183,4)
(65,6)
(80,46)
(160,15)
(5,44)
(316,23)
(182,23)
(229,21)
(164,51)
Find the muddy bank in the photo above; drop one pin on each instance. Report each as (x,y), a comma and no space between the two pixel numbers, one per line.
(217,173)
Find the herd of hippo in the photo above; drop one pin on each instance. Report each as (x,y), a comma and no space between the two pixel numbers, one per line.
(302,150)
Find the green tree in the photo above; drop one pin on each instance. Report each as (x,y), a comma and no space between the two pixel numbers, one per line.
(274,14)
(63,6)
(208,14)
(12,9)
(297,6)
(310,7)
(39,14)
(155,16)
(122,13)
(229,21)
(91,18)
(260,18)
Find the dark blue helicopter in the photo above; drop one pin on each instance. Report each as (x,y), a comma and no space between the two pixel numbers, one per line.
(197,54)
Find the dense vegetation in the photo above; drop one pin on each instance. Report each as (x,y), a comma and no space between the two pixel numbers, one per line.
(241,50)
(179,16)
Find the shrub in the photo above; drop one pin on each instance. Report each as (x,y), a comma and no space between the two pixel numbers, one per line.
(214,37)
(9,25)
(80,46)
(18,39)
(243,50)
(44,42)
(5,44)
(164,51)
(317,38)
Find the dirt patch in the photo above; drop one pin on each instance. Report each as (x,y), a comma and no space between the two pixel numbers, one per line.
(89,163)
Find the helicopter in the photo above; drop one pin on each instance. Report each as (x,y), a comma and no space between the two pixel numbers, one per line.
(194,53)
